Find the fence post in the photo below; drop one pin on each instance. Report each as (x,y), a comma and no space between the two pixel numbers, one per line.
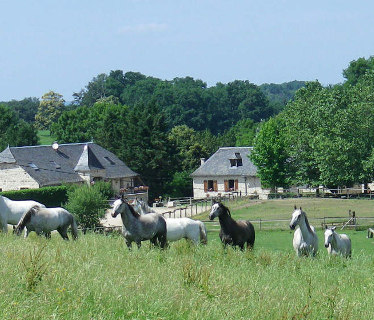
(260,223)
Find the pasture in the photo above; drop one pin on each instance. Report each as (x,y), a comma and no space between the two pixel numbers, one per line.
(97,277)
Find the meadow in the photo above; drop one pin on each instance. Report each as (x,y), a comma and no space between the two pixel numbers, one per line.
(96,277)
(45,137)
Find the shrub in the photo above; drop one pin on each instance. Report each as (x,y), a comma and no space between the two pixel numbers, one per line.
(49,196)
(105,188)
(87,205)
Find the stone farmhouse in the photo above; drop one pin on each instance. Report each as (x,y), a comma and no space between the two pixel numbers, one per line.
(39,166)
(228,171)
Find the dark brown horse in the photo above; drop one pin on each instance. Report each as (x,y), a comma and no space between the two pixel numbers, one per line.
(234,233)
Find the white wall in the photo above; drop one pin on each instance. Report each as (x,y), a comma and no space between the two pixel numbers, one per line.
(14,177)
(246,185)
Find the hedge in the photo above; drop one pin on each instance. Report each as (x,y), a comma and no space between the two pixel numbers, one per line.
(49,196)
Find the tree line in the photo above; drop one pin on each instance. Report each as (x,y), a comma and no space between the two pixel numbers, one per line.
(324,136)
(159,128)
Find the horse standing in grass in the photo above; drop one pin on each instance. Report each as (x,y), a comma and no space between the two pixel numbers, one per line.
(11,211)
(305,240)
(337,243)
(234,233)
(137,228)
(45,220)
(178,228)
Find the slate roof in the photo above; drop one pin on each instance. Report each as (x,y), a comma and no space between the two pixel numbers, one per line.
(219,163)
(52,167)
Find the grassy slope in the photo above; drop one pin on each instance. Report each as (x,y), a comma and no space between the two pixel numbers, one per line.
(45,138)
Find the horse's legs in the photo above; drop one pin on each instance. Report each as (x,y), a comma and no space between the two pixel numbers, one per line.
(154,241)
(3,226)
(162,240)
(26,233)
(63,233)
(47,235)
(129,244)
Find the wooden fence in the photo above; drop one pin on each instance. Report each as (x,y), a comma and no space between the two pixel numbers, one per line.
(318,223)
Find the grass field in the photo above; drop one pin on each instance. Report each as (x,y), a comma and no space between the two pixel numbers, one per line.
(45,137)
(96,277)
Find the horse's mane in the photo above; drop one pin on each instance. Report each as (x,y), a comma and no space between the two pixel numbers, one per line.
(133,212)
(26,217)
(306,221)
(225,208)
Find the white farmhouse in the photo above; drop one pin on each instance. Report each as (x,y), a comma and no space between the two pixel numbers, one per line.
(228,171)
(39,166)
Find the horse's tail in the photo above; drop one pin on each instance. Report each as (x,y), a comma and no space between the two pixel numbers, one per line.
(74,229)
(25,219)
(203,233)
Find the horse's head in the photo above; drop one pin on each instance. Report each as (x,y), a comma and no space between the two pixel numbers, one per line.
(217,210)
(296,216)
(329,234)
(117,207)
(140,206)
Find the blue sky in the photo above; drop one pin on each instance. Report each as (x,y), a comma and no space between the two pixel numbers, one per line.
(61,45)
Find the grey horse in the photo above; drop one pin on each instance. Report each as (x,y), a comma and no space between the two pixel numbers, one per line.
(137,228)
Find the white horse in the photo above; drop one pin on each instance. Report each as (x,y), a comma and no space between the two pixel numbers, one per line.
(11,211)
(305,240)
(141,206)
(178,228)
(45,220)
(337,243)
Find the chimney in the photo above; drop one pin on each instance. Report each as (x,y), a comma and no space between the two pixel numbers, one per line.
(202,161)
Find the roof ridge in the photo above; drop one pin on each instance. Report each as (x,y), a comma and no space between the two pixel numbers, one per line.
(49,145)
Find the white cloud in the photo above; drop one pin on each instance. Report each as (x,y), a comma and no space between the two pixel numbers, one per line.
(143,28)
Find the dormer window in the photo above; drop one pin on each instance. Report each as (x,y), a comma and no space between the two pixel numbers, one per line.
(236,161)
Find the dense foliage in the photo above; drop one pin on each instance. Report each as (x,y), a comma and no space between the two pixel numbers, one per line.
(184,101)
(14,131)
(325,135)
(49,196)
(87,204)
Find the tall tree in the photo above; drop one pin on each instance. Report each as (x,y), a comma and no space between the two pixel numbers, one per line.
(50,108)
(271,156)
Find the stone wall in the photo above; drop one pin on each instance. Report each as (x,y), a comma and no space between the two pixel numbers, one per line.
(14,177)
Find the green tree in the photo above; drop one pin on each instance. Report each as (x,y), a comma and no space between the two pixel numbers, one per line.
(25,109)
(15,132)
(73,126)
(50,108)
(270,154)
(357,69)
(145,147)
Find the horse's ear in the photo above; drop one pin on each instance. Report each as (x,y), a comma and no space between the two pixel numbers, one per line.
(333,228)
(295,207)
(325,226)
(301,209)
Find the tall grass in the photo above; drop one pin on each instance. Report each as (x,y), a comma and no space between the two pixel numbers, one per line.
(96,277)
